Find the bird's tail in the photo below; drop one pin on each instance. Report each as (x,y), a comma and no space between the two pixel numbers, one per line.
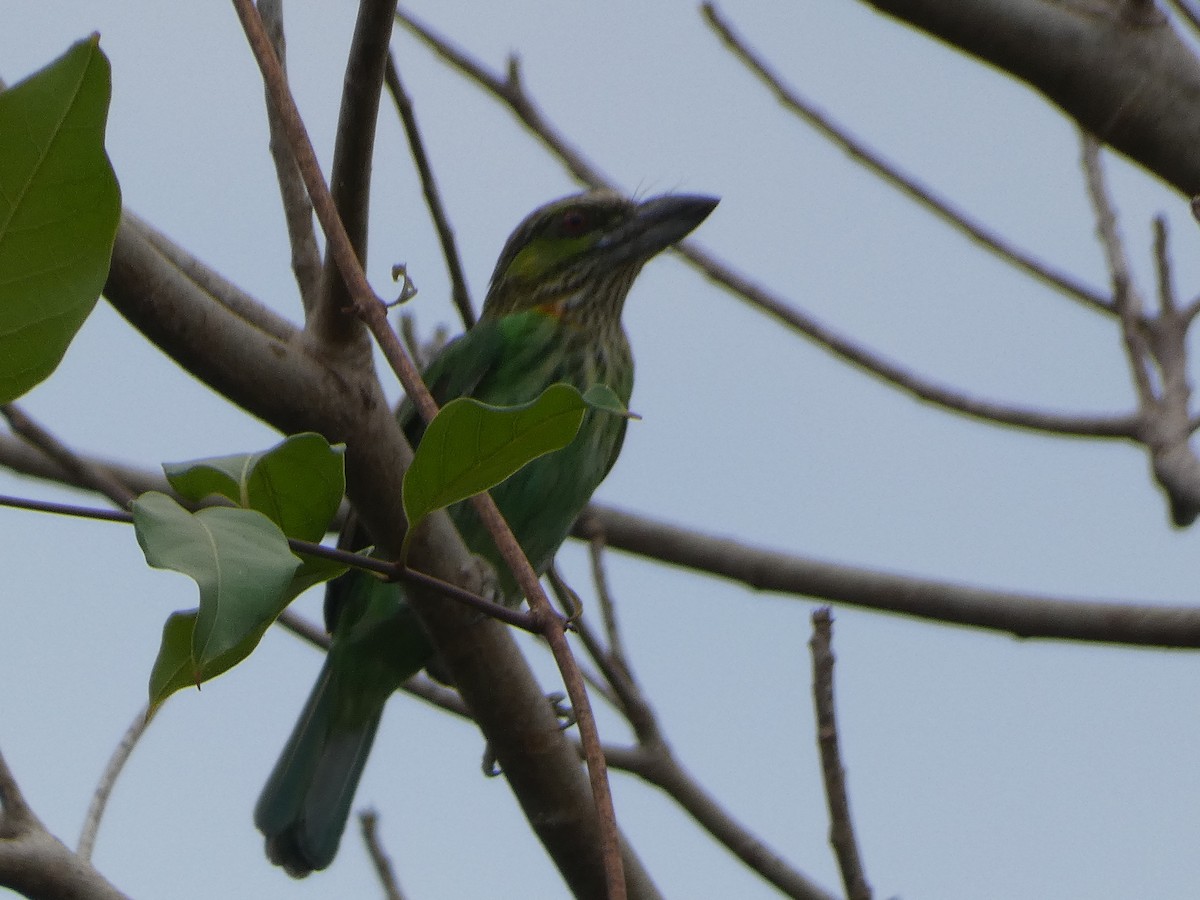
(303,808)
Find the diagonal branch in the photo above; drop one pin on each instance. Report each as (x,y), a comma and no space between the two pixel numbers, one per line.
(510,91)
(1117,67)
(35,863)
(905,184)
(433,198)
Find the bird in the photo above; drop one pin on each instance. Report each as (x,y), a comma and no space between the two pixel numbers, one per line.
(552,314)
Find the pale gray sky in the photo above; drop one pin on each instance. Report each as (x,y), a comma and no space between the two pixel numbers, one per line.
(980,767)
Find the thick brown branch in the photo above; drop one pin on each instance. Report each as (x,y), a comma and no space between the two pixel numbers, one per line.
(1117,68)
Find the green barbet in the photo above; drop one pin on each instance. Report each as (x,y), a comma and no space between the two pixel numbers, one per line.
(552,314)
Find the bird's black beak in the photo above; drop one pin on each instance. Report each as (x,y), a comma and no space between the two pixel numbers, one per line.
(658,223)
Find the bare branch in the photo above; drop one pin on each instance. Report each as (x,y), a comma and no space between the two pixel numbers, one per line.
(35,863)
(841,828)
(666,773)
(1164,420)
(350,180)
(891,175)
(79,469)
(120,756)
(369,822)
(920,388)
(1125,294)
(297,210)
(654,761)
(1022,615)
(1118,68)
(608,607)
(1140,623)
(433,199)
(511,92)
(211,283)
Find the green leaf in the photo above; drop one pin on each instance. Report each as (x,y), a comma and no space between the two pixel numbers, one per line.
(59,209)
(471,446)
(174,669)
(602,397)
(297,484)
(241,562)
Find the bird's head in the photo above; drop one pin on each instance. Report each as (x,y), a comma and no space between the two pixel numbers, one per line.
(577,257)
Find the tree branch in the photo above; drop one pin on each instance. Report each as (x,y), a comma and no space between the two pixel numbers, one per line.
(841,826)
(1117,68)
(297,210)
(1022,615)
(889,174)
(331,323)
(116,763)
(35,863)
(510,91)
(433,198)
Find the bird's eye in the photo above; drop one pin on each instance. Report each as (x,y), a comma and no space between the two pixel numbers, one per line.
(574,222)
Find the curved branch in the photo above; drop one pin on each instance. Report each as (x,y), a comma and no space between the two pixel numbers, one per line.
(1118,68)
(911,188)
(35,863)
(116,763)
(896,375)
(1022,615)
(510,91)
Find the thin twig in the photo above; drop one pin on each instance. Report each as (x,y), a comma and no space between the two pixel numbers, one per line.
(608,608)
(297,210)
(1125,294)
(80,469)
(666,773)
(568,599)
(892,176)
(433,199)
(511,92)
(1157,354)
(1168,303)
(369,821)
(391,570)
(108,780)
(841,827)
